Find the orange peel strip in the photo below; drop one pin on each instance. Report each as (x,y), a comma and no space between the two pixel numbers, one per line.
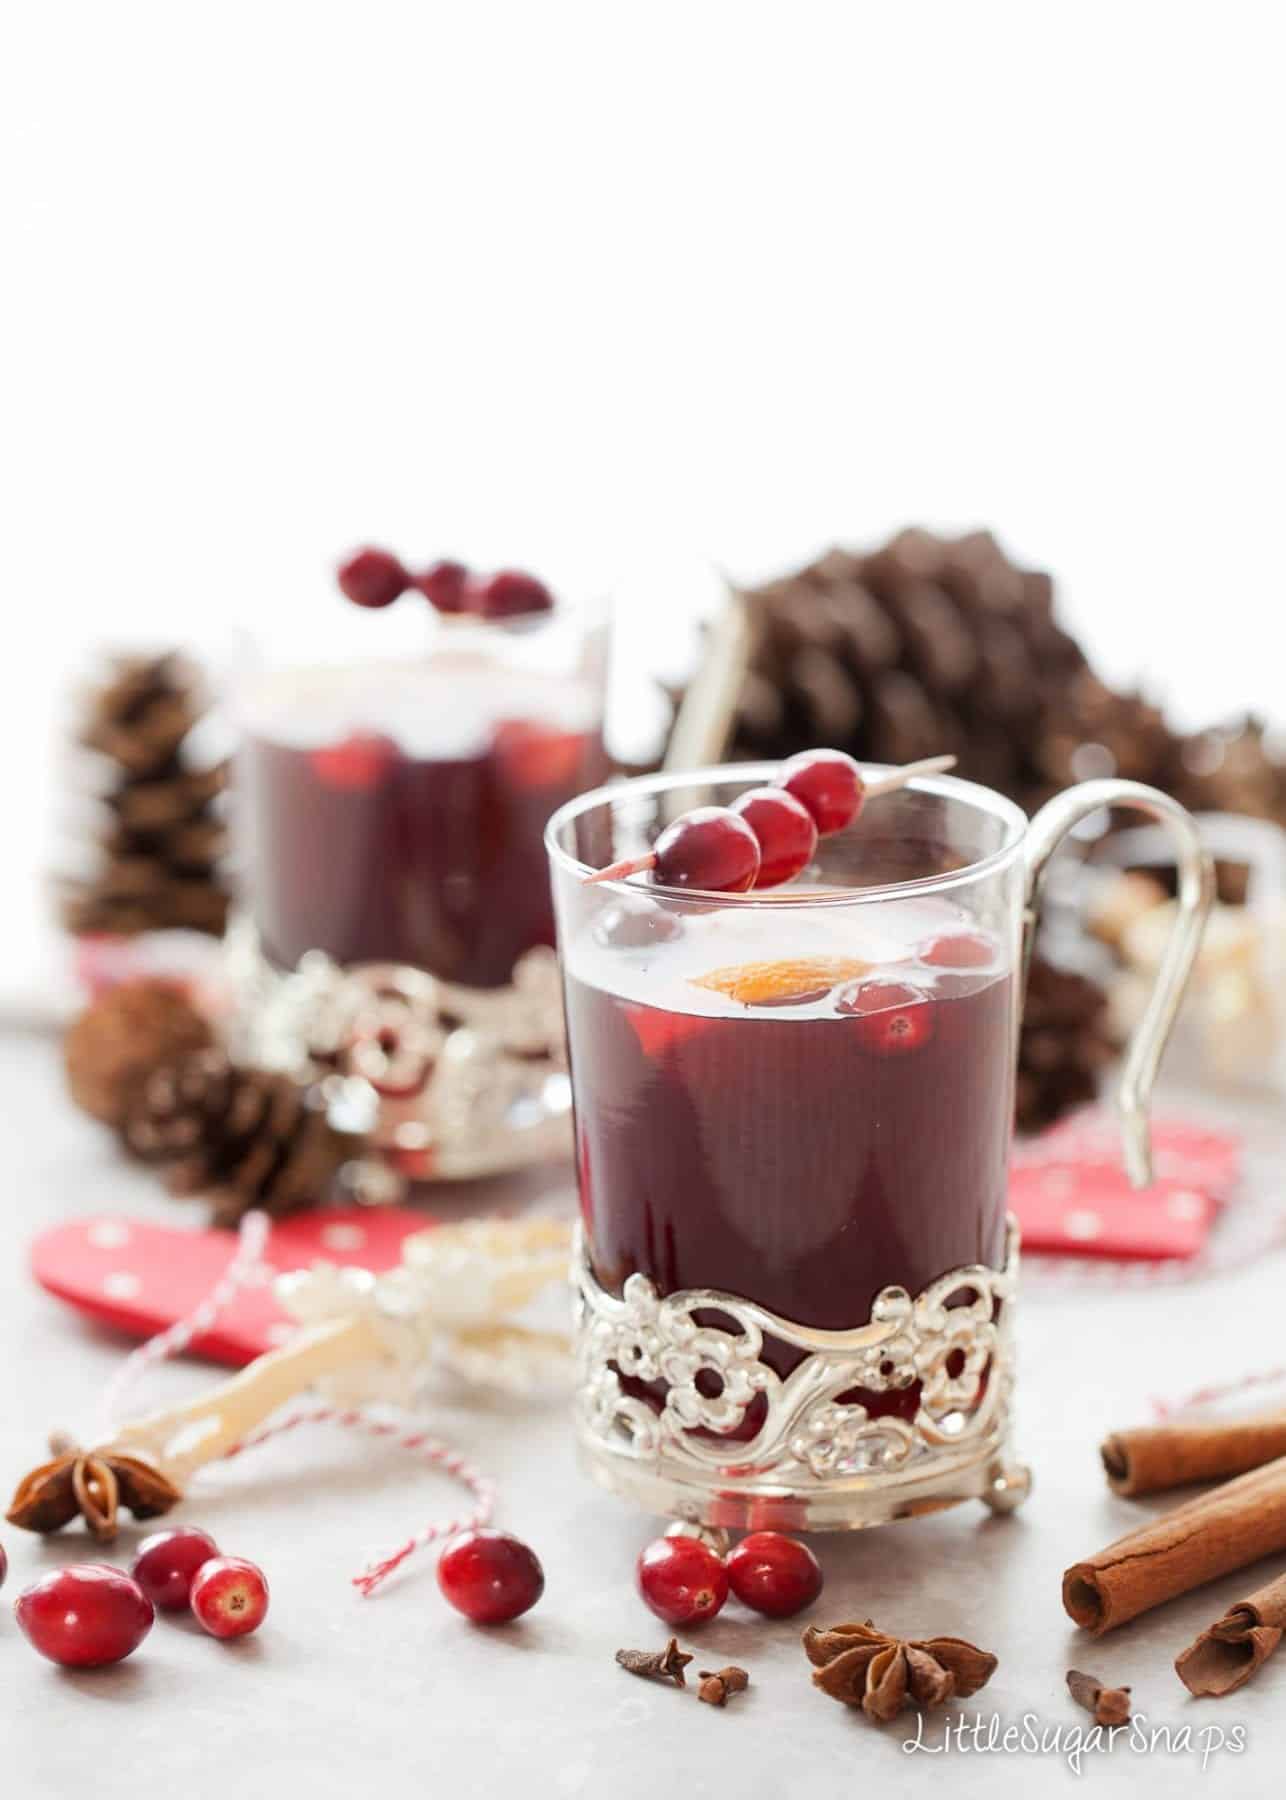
(761,983)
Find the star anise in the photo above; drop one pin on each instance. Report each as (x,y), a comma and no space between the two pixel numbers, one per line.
(881,1674)
(93,1483)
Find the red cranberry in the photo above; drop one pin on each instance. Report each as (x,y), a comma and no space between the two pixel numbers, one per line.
(229,1596)
(166,1563)
(509,595)
(777,1576)
(710,847)
(785,830)
(490,1576)
(357,765)
(682,1580)
(959,950)
(84,1615)
(445,585)
(892,1017)
(828,783)
(372,578)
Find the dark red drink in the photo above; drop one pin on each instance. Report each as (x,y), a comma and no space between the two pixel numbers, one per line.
(396,815)
(801,1133)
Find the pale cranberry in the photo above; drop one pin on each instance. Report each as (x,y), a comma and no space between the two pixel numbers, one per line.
(229,1596)
(490,1576)
(84,1615)
(682,1579)
(785,831)
(776,1575)
(828,783)
(372,578)
(166,1562)
(710,848)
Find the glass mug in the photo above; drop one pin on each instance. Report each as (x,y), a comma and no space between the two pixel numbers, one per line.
(393,811)
(398,924)
(793,1116)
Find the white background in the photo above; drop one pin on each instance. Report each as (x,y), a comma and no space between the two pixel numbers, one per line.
(630,287)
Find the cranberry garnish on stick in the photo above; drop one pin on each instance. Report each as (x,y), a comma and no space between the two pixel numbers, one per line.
(769,834)
(834,790)
(785,830)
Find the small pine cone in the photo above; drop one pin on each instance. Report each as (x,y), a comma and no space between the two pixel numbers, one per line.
(115,1045)
(242,1137)
(1063,1045)
(142,713)
(156,864)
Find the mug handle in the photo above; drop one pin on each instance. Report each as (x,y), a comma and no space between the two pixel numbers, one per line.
(1196,893)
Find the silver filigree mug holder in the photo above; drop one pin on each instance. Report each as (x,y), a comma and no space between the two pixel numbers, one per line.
(664,1398)
(445,1083)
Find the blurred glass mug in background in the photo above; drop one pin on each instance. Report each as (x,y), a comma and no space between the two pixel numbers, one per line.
(397,922)
(793,1118)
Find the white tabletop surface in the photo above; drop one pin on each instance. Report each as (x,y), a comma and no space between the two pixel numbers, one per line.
(400,1695)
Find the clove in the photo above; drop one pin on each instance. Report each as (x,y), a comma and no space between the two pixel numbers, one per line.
(657,1665)
(1110,1706)
(717,1684)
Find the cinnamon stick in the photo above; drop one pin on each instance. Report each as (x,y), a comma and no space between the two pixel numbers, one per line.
(1152,1458)
(1227,1655)
(1218,1532)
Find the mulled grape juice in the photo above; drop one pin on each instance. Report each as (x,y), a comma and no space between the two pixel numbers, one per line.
(801,1153)
(397,816)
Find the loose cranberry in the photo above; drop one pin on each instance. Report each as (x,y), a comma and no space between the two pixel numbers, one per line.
(166,1563)
(445,584)
(4,1565)
(85,1615)
(682,1580)
(490,1576)
(893,1018)
(959,950)
(229,1596)
(372,578)
(356,765)
(711,847)
(785,830)
(828,783)
(776,1575)
(509,595)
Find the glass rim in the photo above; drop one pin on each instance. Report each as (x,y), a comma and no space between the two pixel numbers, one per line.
(947,787)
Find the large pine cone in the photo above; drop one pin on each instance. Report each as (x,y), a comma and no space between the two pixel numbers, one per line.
(242,1137)
(158,856)
(928,645)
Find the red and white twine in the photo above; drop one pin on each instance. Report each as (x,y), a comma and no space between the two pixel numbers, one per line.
(246,1268)
(1211,1396)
